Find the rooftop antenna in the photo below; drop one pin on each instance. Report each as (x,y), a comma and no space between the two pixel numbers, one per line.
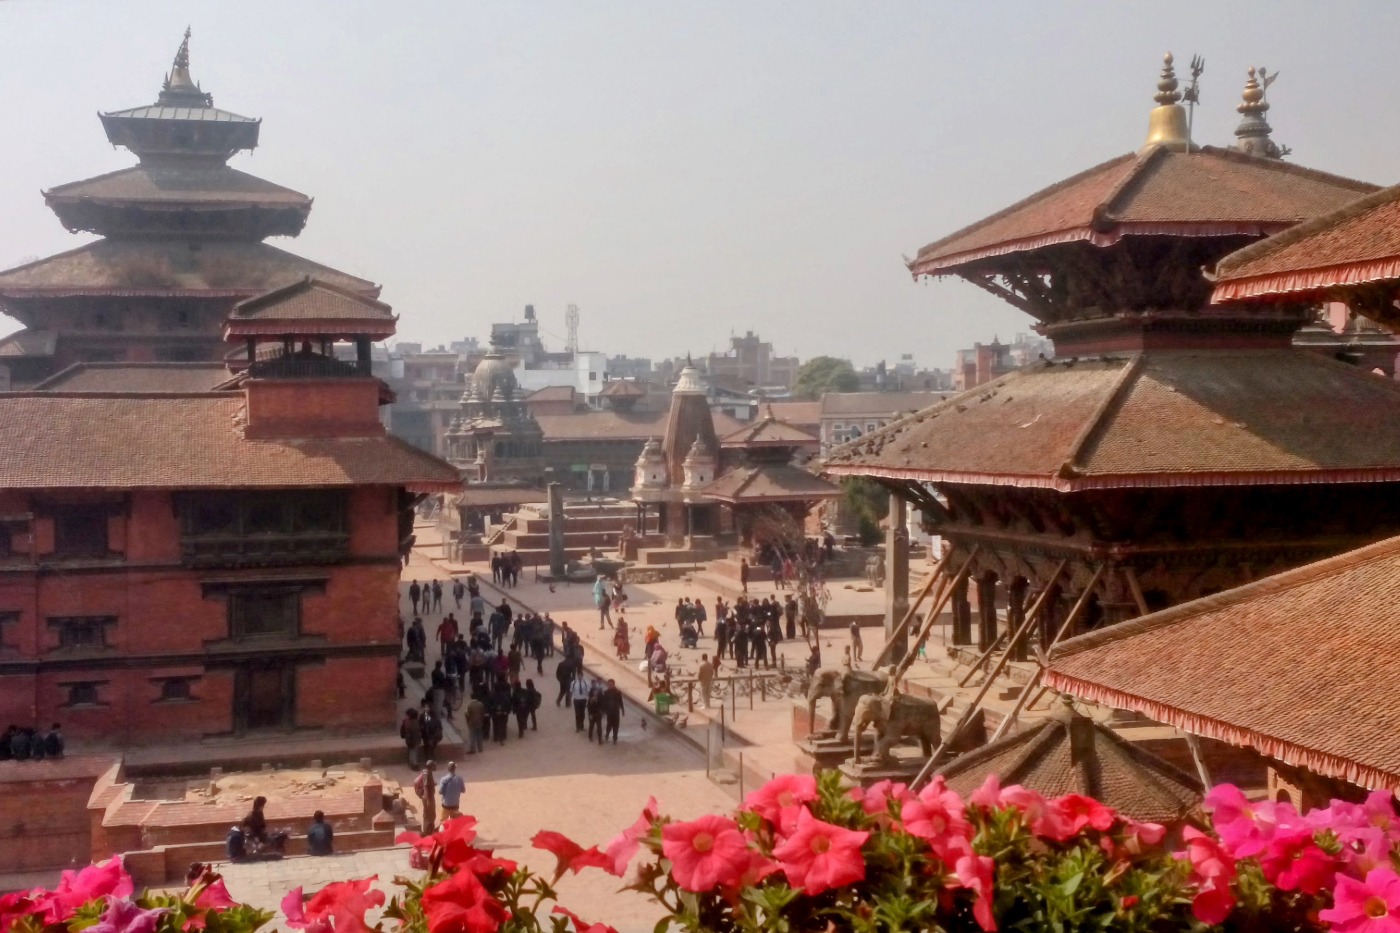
(1192,95)
(571,322)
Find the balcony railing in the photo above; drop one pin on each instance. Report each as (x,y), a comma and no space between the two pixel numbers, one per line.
(264,550)
(279,364)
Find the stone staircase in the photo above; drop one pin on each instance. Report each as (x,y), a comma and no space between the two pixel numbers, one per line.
(587,526)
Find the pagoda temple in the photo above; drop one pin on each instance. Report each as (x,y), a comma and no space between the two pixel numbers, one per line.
(180,243)
(1171,448)
(496,439)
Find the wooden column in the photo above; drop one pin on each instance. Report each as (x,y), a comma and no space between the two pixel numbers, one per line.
(1016,614)
(986,612)
(962,615)
(896,580)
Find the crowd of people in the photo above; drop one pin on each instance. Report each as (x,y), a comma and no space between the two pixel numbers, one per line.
(25,743)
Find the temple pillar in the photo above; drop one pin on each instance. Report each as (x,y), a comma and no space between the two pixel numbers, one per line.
(986,611)
(962,614)
(555,492)
(1051,613)
(896,579)
(1016,592)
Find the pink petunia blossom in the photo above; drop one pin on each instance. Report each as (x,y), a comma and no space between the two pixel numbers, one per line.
(342,903)
(1212,870)
(461,904)
(623,847)
(705,853)
(1370,906)
(780,799)
(1294,862)
(937,816)
(123,916)
(1076,813)
(570,855)
(876,799)
(977,874)
(581,926)
(818,856)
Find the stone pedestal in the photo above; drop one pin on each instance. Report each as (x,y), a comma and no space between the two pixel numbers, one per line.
(866,773)
(827,751)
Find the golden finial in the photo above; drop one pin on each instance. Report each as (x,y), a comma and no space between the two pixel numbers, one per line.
(1253,96)
(1167,125)
(1166,85)
(182,54)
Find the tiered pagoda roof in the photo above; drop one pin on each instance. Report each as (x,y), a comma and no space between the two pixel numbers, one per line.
(1184,418)
(1298,666)
(769,431)
(1069,753)
(311,307)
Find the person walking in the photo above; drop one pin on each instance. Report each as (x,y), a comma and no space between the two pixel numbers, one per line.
(426,788)
(411,731)
(603,600)
(857,649)
(564,673)
(578,693)
(417,640)
(721,636)
(790,612)
(744,574)
(499,707)
(415,592)
(697,615)
(458,591)
(595,712)
(476,724)
(613,710)
(450,790)
(705,674)
(437,596)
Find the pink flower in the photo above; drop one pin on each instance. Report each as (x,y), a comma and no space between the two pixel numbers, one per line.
(122,916)
(1044,819)
(1138,837)
(977,873)
(624,846)
(818,856)
(876,799)
(572,856)
(341,903)
(1372,906)
(988,796)
(937,816)
(1244,828)
(215,896)
(581,926)
(1077,813)
(1211,871)
(779,800)
(460,904)
(103,879)
(705,853)
(1294,862)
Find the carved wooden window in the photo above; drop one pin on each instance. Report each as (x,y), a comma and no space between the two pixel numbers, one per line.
(84,693)
(176,689)
(264,613)
(80,531)
(81,632)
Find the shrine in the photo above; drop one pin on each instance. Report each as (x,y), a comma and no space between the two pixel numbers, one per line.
(181,242)
(1172,447)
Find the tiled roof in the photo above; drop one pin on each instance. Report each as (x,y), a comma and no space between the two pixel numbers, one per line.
(180,184)
(1299,665)
(313,305)
(552,394)
(1210,192)
(164,267)
(877,404)
(76,440)
(1166,418)
(120,378)
(1355,244)
(614,425)
(768,431)
(1068,753)
(28,342)
(623,388)
(488,496)
(201,114)
(808,414)
(770,482)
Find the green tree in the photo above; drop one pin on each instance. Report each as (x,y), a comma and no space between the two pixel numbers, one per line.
(869,502)
(825,374)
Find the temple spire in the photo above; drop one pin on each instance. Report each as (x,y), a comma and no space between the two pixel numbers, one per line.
(1167,122)
(1252,134)
(179,89)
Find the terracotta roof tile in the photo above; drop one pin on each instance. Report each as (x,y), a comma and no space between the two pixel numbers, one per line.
(72,440)
(121,378)
(802,414)
(768,431)
(623,388)
(1357,243)
(877,404)
(1165,418)
(1210,192)
(772,482)
(552,394)
(1067,753)
(178,184)
(1299,666)
(28,342)
(310,301)
(155,266)
(615,425)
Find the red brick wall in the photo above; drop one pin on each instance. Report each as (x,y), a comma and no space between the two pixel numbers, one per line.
(313,408)
(347,694)
(44,821)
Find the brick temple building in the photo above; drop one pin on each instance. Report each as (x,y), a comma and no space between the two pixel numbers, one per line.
(181,241)
(175,565)
(1171,448)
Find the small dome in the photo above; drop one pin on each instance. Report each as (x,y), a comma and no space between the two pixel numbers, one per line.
(690,382)
(494,374)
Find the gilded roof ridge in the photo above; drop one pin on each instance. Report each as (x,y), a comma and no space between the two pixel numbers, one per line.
(1275,583)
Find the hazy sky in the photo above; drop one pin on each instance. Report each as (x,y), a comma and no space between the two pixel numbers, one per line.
(680,171)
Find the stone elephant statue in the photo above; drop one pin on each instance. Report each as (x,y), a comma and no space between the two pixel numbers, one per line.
(842,687)
(895,716)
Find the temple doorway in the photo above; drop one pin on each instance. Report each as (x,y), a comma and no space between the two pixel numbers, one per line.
(264,697)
